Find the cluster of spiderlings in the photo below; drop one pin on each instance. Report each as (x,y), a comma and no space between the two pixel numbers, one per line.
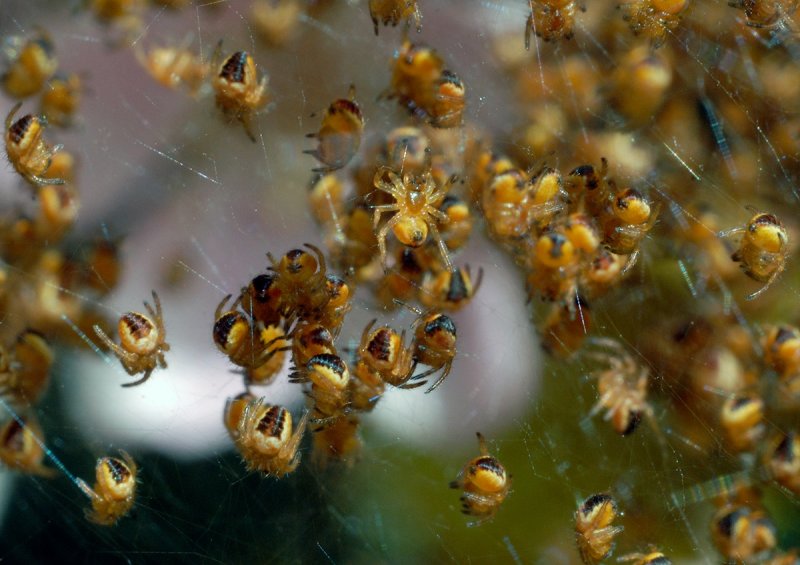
(298,306)
(47,291)
(406,173)
(393,220)
(576,236)
(720,377)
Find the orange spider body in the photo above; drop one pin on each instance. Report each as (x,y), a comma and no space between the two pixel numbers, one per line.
(19,448)
(174,67)
(416,202)
(765,13)
(27,150)
(329,377)
(622,389)
(339,136)
(654,19)
(302,283)
(383,350)
(142,341)
(33,64)
(339,442)
(485,484)
(26,373)
(434,346)
(239,92)
(274,21)
(248,344)
(114,490)
(61,99)
(393,12)
(264,436)
(551,20)
(450,290)
(742,418)
(593,530)
(763,249)
(741,532)
(782,460)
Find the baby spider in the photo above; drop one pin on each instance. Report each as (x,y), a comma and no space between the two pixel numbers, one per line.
(434,344)
(593,530)
(27,151)
(782,460)
(60,99)
(450,290)
(174,66)
(114,489)
(385,354)
(551,19)
(264,437)
(653,18)
(765,13)
(328,376)
(486,485)
(25,372)
(763,249)
(393,12)
(239,92)
(742,532)
(622,388)
(301,287)
(20,446)
(417,201)
(742,419)
(142,341)
(248,343)
(340,443)
(30,63)
(339,136)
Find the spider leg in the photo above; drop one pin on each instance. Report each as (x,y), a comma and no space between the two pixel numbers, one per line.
(320,256)
(383,234)
(632,259)
(118,351)
(35,179)
(378,210)
(528,31)
(157,302)
(297,436)
(478,280)
(409,386)
(394,187)
(297,376)
(730,232)
(12,113)
(140,381)
(484,450)
(772,278)
(364,336)
(441,244)
(441,378)
(439,215)
(477,498)
(322,423)
(218,311)
(424,374)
